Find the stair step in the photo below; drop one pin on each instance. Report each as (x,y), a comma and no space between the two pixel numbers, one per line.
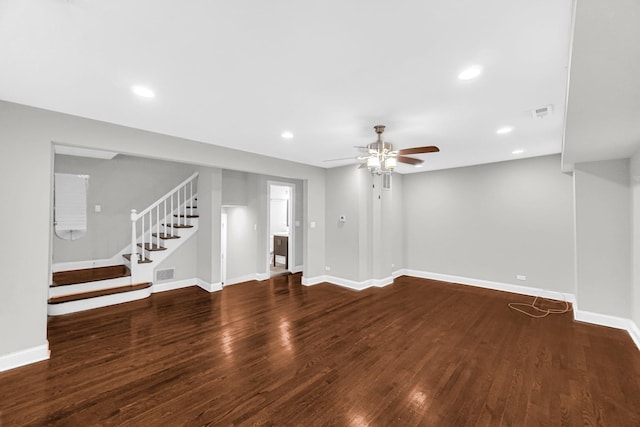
(71,277)
(100,293)
(186,216)
(144,261)
(152,247)
(165,236)
(179,225)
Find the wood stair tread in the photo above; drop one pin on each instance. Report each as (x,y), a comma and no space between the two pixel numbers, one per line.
(99,293)
(166,236)
(186,216)
(179,225)
(144,261)
(71,277)
(152,247)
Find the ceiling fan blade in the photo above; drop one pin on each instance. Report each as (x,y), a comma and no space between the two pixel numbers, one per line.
(343,158)
(409,160)
(419,150)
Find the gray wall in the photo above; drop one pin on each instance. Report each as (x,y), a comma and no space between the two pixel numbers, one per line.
(398,228)
(184,260)
(635,236)
(234,188)
(26,135)
(343,244)
(493,222)
(241,242)
(118,185)
(603,243)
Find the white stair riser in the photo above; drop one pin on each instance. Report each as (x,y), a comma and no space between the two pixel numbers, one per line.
(97,285)
(96,302)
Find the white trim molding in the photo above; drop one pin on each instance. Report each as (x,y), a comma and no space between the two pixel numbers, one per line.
(310,281)
(80,265)
(297,269)
(24,357)
(176,284)
(610,321)
(209,287)
(242,279)
(498,286)
(347,283)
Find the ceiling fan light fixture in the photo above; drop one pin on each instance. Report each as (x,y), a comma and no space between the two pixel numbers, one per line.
(390,163)
(373,163)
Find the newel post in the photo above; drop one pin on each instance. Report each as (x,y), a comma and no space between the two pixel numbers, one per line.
(134,253)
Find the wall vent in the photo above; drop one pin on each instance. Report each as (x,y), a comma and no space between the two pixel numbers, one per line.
(542,112)
(165,274)
(386,181)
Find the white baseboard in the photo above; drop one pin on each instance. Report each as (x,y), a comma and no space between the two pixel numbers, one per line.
(79,265)
(24,357)
(610,321)
(209,287)
(634,331)
(487,284)
(241,279)
(310,281)
(398,273)
(297,269)
(347,283)
(97,302)
(261,276)
(176,284)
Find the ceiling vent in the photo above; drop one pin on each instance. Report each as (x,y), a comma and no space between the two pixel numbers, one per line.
(542,112)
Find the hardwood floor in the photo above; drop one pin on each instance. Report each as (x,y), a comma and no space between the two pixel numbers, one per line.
(417,352)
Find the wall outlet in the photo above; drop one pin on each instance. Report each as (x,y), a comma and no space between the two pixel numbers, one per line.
(97,208)
(521,277)
(327,268)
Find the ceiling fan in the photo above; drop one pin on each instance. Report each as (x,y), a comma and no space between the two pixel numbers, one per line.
(382,158)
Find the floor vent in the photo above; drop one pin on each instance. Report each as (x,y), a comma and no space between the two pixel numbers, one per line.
(165,274)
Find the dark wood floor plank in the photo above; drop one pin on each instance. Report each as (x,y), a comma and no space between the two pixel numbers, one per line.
(415,353)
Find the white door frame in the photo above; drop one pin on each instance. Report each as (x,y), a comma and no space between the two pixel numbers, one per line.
(290,218)
(223,246)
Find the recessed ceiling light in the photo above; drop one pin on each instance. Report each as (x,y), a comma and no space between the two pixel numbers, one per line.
(470,73)
(517,152)
(504,129)
(287,135)
(142,91)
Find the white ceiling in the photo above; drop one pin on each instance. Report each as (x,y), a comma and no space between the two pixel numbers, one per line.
(239,73)
(603,115)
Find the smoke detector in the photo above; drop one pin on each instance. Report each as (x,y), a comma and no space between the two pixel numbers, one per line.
(542,112)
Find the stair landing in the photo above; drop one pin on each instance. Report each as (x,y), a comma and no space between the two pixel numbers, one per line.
(71,277)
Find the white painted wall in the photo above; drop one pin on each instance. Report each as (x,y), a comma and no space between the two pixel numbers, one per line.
(493,222)
(603,230)
(117,185)
(26,136)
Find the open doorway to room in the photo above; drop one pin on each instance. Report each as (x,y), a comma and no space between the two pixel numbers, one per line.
(281,197)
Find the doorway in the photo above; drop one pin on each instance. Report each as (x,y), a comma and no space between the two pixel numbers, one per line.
(280,230)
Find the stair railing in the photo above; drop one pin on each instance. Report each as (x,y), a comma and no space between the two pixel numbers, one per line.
(176,201)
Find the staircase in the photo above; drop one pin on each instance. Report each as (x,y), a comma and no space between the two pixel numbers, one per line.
(156,232)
